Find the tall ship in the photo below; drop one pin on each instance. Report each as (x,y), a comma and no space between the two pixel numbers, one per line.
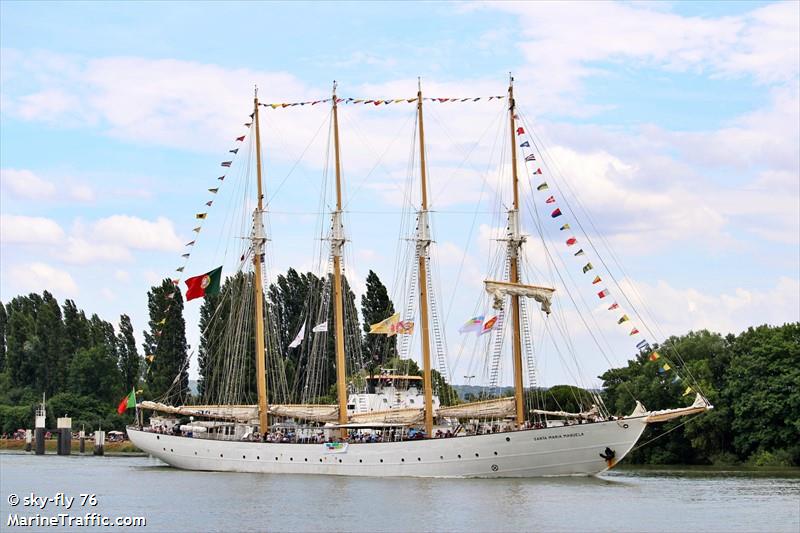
(333,409)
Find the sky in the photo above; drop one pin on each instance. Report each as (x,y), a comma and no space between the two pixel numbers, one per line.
(672,128)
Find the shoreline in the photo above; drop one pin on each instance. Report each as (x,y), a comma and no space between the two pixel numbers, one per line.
(123,448)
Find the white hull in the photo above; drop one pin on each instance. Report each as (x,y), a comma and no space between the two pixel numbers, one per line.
(556,451)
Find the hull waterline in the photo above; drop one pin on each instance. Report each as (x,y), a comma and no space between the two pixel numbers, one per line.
(556,451)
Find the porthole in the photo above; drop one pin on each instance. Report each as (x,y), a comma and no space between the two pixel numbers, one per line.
(419,459)
(625,426)
(306,459)
(340,460)
(195,453)
(158,437)
(291,458)
(381,460)
(171,450)
(360,460)
(164,449)
(276,458)
(320,459)
(459,456)
(441,457)
(220,455)
(476,455)
(508,439)
(243,457)
(402,460)
(495,453)
(258,457)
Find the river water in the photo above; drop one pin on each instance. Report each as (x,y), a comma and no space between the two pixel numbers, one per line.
(689,499)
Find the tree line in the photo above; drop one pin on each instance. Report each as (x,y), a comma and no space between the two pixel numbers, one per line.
(85,364)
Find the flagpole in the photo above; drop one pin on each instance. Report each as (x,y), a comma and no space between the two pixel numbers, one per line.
(258,243)
(337,243)
(423,242)
(515,242)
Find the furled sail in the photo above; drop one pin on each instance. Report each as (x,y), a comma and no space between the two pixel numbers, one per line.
(390,416)
(500,289)
(315,412)
(497,408)
(237,413)
(700,404)
(585,415)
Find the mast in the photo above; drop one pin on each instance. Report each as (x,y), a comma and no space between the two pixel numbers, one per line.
(259,239)
(423,243)
(337,242)
(515,240)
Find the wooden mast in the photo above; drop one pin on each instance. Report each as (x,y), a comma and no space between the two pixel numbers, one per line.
(258,252)
(337,242)
(423,242)
(515,242)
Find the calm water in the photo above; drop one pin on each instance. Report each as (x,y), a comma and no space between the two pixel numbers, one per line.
(625,500)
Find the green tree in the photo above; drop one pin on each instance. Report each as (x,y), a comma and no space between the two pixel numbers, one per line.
(129,362)
(93,372)
(762,390)
(376,306)
(3,321)
(167,376)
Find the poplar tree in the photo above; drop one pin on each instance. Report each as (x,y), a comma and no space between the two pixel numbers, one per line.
(3,320)
(129,362)
(376,306)
(168,374)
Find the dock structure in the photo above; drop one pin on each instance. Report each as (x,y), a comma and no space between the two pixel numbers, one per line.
(64,426)
(99,442)
(40,428)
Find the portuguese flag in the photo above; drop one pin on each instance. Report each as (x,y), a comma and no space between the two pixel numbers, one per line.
(203,284)
(127,402)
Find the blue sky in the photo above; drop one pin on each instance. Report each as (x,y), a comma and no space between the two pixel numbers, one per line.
(675,123)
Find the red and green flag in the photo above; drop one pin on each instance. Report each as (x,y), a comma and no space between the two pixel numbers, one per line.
(127,402)
(207,283)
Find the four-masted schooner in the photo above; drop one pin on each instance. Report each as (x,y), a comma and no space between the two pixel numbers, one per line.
(514,448)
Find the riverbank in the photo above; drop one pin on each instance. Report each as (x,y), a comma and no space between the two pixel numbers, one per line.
(50,446)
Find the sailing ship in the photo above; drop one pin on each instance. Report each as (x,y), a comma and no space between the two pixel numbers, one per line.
(395,425)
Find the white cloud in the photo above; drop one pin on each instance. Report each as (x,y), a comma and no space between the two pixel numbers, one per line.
(26,184)
(37,277)
(138,233)
(82,193)
(29,230)
(82,251)
(122,275)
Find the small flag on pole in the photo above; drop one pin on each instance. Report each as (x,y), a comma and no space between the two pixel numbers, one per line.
(530,157)
(319,328)
(542,187)
(473,324)
(603,293)
(550,200)
(623,318)
(613,306)
(226,163)
(127,402)
(634,331)
(520,130)
(688,391)
(587,267)
(488,325)
(556,213)
(565,226)
(579,253)
(299,337)
(526,144)
(596,280)
(654,356)
(571,241)
(538,171)
(240,139)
